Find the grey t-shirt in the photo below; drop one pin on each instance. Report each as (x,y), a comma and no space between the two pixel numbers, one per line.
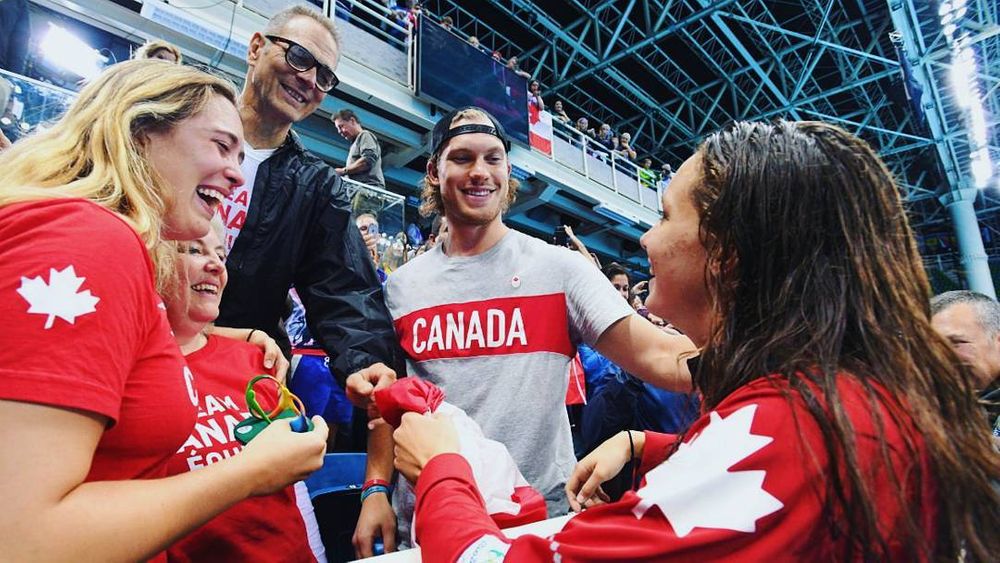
(497,332)
(365,146)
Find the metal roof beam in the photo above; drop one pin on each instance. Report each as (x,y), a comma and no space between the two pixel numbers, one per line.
(811,40)
(669,30)
(748,58)
(732,75)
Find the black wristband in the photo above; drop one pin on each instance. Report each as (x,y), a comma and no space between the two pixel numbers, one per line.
(633,482)
(249,336)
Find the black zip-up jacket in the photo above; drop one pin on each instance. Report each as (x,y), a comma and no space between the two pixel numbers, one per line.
(299,232)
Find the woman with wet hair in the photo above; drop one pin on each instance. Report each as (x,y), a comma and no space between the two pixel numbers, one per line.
(96,395)
(836,424)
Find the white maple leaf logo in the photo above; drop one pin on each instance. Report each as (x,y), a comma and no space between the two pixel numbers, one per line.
(694,487)
(59,297)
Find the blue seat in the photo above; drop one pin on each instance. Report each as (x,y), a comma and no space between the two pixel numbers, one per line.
(341,472)
(335,490)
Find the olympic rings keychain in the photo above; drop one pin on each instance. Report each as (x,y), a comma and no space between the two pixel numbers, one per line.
(287,406)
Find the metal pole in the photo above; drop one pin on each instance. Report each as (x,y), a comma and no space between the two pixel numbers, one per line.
(970,241)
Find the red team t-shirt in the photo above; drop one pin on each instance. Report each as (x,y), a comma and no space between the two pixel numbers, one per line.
(267,528)
(83,328)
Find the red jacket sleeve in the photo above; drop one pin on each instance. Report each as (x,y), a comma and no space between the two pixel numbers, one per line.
(654,451)
(447,493)
(748,483)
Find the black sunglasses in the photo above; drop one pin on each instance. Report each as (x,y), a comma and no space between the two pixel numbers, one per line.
(301,60)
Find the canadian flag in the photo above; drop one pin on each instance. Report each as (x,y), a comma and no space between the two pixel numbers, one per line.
(540,130)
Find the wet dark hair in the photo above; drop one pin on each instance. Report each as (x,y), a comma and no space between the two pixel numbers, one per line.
(813,276)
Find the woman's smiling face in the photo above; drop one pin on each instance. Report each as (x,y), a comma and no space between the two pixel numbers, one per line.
(677,258)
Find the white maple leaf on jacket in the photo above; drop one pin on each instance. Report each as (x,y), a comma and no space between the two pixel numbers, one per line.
(694,487)
(59,297)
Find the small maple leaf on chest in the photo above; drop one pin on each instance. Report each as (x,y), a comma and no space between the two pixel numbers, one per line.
(59,297)
(694,487)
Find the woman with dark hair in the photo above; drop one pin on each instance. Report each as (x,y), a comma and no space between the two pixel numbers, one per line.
(535,95)
(837,425)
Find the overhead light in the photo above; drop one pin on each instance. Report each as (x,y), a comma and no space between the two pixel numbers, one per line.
(968,95)
(982,168)
(69,52)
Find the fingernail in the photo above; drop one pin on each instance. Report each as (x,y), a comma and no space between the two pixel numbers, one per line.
(579,499)
(371,426)
(268,363)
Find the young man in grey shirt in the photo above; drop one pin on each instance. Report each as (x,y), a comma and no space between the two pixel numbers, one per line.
(493,317)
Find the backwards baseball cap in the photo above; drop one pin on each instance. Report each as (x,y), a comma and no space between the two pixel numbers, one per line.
(443,131)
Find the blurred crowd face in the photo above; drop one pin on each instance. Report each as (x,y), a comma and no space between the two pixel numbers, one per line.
(474,175)
(348,128)
(365,221)
(677,258)
(202,278)
(210,144)
(621,284)
(277,87)
(975,346)
(164,55)
(558,106)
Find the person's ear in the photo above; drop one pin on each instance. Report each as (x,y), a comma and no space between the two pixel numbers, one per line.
(256,47)
(432,171)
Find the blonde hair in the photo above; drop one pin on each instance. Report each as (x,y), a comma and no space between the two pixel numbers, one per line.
(431,202)
(150,48)
(96,152)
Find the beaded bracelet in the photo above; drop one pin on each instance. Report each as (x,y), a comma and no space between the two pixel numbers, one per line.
(369,491)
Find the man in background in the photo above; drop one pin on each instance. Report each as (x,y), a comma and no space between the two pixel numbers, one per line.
(364,159)
(971,322)
(290,224)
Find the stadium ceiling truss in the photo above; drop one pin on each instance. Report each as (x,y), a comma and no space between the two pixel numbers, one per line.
(673,71)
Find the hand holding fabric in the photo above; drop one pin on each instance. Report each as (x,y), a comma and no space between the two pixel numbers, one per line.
(361,386)
(419,438)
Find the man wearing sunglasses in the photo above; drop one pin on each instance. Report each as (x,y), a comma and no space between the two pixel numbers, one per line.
(290,224)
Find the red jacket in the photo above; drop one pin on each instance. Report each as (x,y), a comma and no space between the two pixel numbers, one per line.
(748,484)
